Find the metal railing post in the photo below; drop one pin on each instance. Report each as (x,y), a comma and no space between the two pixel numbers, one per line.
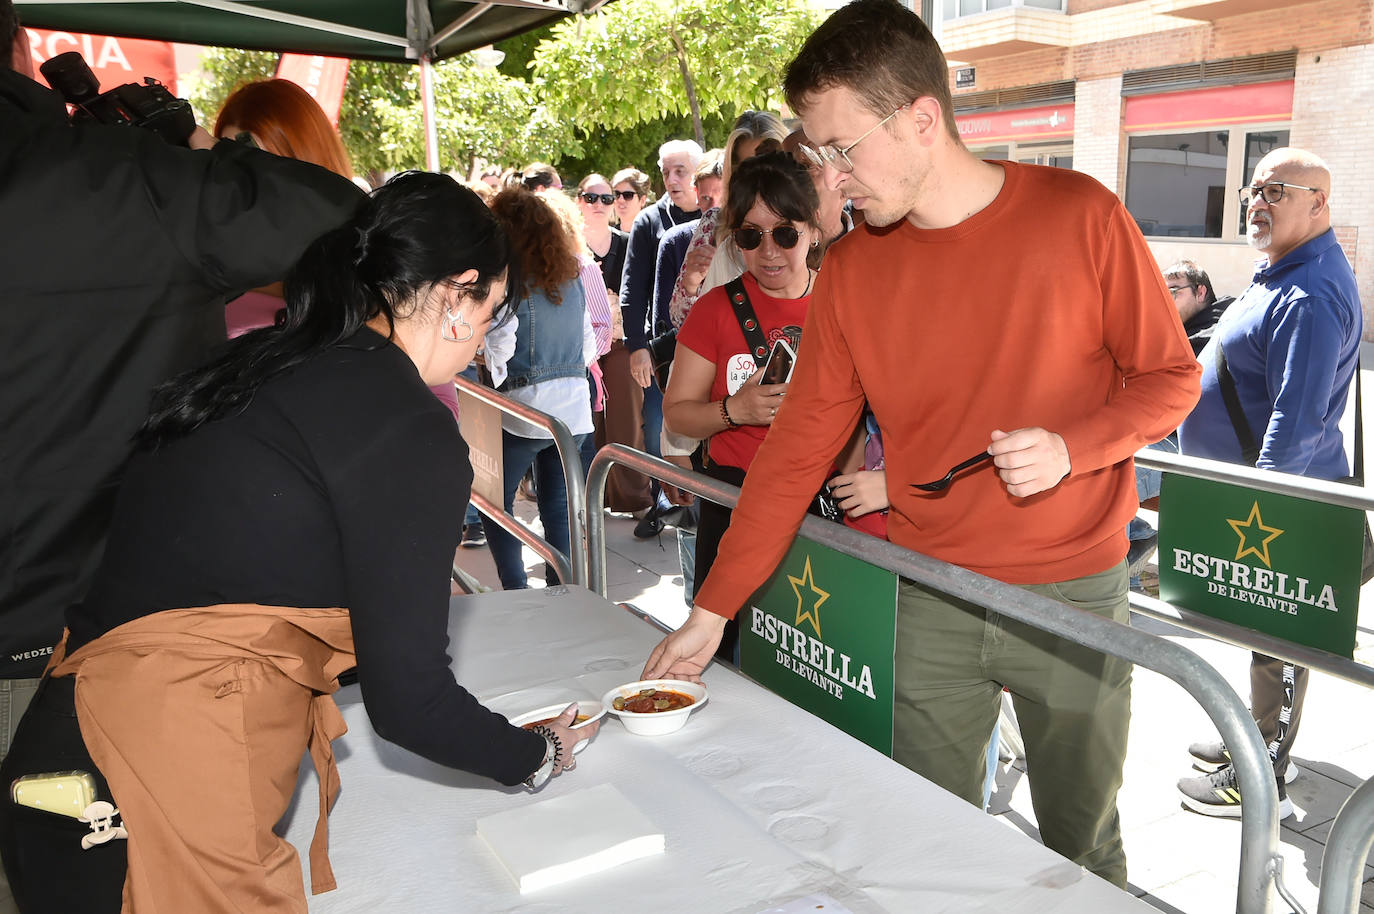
(1347,848)
(573,569)
(1259,815)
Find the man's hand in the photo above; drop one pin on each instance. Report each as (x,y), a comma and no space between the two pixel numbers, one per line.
(1029,460)
(642,367)
(685,653)
(201,138)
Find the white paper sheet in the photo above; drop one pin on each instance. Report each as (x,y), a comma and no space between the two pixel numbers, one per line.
(564,838)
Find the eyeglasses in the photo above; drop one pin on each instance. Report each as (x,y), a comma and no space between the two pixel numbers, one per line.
(605,199)
(784,236)
(627,194)
(1271,192)
(838,159)
(1174,290)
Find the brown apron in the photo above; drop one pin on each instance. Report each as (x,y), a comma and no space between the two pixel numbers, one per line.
(198,719)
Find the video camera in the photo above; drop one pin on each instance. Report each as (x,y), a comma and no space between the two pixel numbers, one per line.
(149,106)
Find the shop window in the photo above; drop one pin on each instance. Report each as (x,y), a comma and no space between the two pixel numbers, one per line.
(1176,183)
(953,9)
(1257,146)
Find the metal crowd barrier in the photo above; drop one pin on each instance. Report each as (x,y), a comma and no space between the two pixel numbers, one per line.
(1352,834)
(571,568)
(1260,862)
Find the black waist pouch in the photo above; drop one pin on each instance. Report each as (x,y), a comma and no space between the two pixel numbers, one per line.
(48,871)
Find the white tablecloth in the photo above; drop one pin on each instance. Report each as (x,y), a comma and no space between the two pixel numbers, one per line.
(760,802)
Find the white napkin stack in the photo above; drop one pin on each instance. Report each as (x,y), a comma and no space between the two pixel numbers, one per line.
(571,836)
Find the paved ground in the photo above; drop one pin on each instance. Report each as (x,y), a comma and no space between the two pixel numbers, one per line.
(1179,861)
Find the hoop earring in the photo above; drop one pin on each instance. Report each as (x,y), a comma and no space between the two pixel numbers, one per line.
(449,329)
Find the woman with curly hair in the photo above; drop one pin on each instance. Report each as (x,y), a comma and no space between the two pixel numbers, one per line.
(541,360)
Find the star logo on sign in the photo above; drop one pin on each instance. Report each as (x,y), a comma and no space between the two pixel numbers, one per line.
(1255,536)
(814,600)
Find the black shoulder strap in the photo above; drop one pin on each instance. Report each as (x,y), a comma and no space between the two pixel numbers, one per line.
(1249,448)
(748,320)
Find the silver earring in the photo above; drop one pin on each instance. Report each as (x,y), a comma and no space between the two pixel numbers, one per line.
(451,325)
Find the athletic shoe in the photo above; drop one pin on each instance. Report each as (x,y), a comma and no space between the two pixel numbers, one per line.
(1138,555)
(473,536)
(1218,794)
(1211,756)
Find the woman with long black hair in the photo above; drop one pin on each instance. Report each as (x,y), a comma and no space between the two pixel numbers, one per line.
(293,512)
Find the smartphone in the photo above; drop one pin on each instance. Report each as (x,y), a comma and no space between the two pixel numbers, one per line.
(66,793)
(781,359)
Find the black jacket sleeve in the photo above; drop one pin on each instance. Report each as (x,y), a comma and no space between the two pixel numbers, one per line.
(637,285)
(398,561)
(241,217)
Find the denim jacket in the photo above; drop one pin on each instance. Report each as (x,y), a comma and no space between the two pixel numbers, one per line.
(548,342)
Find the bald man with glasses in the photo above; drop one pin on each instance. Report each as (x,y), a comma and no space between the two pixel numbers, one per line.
(1290,344)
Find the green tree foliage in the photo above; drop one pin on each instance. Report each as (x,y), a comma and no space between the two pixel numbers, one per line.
(607,150)
(637,61)
(590,93)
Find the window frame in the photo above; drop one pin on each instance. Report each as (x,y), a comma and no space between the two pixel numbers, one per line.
(1235,165)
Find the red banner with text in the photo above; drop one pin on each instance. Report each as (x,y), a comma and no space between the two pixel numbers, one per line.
(115,61)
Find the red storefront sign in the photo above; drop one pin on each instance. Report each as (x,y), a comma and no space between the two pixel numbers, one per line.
(322,77)
(1045,123)
(114,61)
(1249,104)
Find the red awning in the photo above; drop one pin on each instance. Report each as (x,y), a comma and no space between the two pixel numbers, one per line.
(1045,123)
(1200,108)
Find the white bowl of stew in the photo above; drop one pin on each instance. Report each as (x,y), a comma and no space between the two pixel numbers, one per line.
(587,712)
(654,707)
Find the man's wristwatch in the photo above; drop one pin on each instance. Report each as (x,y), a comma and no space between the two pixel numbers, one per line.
(545,770)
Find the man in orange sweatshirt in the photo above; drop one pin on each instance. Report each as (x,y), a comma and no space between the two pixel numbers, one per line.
(983,305)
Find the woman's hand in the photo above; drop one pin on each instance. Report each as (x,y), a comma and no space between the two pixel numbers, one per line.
(685,653)
(695,266)
(861,493)
(756,403)
(568,738)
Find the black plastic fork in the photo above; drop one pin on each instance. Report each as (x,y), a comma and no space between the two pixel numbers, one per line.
(940,485)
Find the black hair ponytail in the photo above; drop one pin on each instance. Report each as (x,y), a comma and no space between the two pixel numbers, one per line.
(417,230)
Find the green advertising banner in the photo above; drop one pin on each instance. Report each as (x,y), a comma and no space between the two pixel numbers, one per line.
(1284,566)
(821,633)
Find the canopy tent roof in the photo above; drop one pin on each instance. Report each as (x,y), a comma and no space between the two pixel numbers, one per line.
(397,30)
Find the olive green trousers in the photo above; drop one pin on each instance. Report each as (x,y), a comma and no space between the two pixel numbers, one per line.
(1073,704)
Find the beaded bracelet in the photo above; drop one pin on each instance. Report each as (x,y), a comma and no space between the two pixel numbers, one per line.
(725,414)
(554,741)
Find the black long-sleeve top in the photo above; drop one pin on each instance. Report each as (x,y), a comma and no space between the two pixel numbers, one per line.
(342,484)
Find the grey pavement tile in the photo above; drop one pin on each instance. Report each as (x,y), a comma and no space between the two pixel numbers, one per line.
(1197,893)
(621,570)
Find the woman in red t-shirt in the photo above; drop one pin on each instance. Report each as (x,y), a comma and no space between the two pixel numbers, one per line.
(715,391)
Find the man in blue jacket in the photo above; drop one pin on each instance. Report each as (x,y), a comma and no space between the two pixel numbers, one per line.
(1291,347)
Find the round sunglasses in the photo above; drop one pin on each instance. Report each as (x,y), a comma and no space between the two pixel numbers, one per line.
(604,199)
(784,236)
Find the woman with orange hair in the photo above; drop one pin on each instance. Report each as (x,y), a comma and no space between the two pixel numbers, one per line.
(280,117)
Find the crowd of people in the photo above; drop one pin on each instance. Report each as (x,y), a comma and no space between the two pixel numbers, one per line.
(210,534)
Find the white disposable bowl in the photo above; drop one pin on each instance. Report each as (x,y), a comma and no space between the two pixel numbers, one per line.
(593,711)
(656,723)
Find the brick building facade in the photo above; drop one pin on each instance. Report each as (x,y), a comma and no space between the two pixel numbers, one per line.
(1171,102)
